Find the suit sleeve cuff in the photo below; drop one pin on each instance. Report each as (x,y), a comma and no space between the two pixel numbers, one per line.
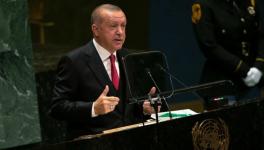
(242,69)
(93,112)
(259,64)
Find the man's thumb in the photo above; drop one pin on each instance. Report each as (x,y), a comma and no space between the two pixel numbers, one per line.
(152,91)
(106,90)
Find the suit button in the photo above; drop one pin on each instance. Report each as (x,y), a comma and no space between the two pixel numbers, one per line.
(243,44)
(245,31)
(223,31)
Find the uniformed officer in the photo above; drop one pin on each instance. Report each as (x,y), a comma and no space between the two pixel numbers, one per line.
(230,34)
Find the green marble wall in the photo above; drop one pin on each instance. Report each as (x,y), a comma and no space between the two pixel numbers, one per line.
(19,122)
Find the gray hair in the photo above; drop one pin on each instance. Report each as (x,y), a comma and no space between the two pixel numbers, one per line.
(96,16)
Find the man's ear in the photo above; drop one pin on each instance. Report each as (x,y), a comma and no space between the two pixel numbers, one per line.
(95,30)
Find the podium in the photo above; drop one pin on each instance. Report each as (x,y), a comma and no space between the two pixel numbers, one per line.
(243,123)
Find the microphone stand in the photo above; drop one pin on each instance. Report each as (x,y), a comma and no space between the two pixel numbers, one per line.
(156,85)
(155,104)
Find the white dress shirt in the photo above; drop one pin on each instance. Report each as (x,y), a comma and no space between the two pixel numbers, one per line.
(104,55)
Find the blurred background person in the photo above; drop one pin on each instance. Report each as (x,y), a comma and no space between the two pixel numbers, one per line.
(231,36)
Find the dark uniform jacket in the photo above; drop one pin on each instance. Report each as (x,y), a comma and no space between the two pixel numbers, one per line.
(81,78)
(230,34)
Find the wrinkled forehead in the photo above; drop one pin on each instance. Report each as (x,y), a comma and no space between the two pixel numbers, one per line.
(116,14)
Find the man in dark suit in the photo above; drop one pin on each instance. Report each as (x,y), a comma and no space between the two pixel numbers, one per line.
(90,90)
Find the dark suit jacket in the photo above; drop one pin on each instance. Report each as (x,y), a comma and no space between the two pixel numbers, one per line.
(81,78)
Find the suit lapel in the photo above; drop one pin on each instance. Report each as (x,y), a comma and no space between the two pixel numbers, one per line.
(95,63)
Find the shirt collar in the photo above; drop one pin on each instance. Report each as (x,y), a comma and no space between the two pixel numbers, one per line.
(103,53)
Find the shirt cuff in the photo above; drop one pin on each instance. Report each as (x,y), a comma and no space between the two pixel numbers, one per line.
(93,113)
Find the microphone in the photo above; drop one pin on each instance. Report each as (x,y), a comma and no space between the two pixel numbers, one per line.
(169,74)
(155,83)
(152,79)
(175,78)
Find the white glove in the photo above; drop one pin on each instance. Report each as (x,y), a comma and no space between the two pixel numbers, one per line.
(253,77)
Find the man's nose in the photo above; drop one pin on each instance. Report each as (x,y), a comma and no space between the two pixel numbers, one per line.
(120,30)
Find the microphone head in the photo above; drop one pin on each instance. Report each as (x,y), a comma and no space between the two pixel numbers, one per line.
(147,70)
(160,67)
